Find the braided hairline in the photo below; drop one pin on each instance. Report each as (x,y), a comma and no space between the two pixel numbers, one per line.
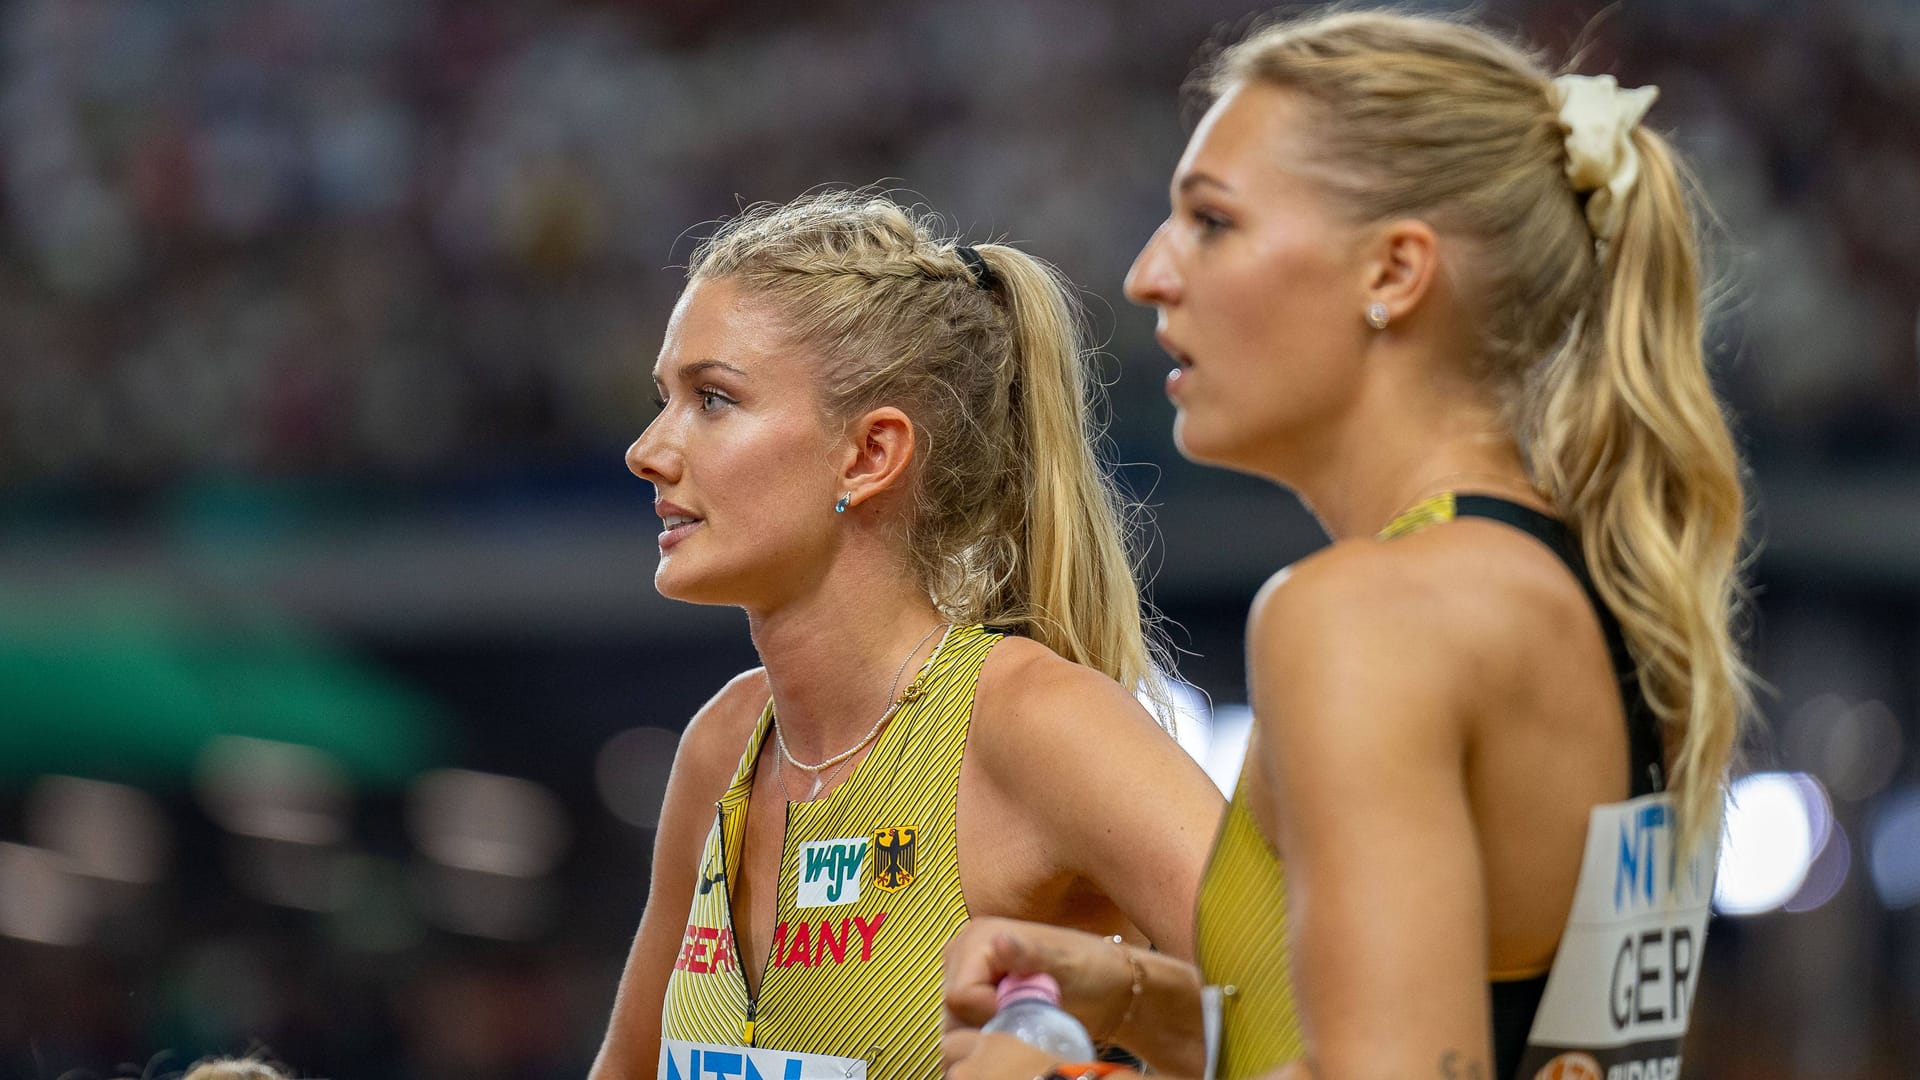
(762,269)
(906,244)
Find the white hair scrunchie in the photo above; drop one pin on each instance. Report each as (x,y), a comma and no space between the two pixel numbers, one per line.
(1599,118)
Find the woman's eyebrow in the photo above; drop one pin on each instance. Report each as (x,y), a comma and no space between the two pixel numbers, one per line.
(1199,179)
(694,367)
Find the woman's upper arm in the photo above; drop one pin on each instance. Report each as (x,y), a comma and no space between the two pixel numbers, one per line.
(702,768)
(1362,747)
(1119,803)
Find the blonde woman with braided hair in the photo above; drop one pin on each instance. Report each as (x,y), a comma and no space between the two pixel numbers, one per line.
(1452,302)
(876,440)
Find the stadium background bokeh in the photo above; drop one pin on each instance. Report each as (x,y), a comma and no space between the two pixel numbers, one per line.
(334,694)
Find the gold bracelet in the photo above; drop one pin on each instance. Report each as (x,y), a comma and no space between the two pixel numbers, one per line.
(1133,992)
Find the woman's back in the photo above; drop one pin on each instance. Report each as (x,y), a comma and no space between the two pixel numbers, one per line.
(1494,636)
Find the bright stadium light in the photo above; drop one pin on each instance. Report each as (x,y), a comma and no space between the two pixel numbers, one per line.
(1772,835)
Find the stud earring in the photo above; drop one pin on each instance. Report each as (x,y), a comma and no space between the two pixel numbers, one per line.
(1377,315)
(841,506)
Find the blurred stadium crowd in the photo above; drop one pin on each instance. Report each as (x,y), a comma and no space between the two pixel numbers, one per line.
(293,237)
(355,258)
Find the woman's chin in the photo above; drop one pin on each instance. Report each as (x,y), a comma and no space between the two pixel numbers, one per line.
(1192,442)
(1202,446)
(675,583)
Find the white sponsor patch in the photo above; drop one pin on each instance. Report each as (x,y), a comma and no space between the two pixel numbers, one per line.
(830,871)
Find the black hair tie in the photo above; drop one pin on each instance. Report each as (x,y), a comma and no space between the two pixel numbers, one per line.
(982,273)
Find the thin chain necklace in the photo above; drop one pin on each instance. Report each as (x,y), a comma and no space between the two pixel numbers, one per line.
(893,705)
(780,777)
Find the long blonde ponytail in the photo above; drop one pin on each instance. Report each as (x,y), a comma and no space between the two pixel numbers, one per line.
(1080,597)
(1626,435)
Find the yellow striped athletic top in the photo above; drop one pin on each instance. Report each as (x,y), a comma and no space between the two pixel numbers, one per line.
(1241,944)
(1241,921)
(869,895)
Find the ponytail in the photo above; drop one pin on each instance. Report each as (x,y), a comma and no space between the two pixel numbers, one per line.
(1079,597)
(1626,436)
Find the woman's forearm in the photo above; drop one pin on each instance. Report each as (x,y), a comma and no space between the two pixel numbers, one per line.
(1162,1023)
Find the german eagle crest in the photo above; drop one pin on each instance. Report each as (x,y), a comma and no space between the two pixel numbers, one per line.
(893,857)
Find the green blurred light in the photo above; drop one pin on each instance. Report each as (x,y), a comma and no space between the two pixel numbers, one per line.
(125,688)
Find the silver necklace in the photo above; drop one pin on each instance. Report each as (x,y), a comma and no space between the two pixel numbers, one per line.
(780,777)
(893,705)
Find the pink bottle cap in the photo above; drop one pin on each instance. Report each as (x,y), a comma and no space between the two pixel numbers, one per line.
(1020,987)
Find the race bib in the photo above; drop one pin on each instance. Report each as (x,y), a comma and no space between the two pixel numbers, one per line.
(1621,990)
(682,1060)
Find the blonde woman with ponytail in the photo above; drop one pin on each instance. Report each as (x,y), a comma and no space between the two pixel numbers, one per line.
(1452,302)
(876,440)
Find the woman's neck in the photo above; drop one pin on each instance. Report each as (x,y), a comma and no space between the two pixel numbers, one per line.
(1384,466)
(831,657)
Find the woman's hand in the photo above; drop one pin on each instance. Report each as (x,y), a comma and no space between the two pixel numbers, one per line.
(1095,979)
(969,1055)
(1157,1018)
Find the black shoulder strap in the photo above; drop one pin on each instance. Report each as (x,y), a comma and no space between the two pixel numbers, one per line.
(1643,729)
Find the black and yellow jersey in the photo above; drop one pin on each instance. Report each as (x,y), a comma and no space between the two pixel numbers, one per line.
(869,895)
(1241,921)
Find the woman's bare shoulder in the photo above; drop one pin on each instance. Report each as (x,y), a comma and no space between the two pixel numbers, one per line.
(1022,676)
(1470,590)
(1034,708)
(717,734)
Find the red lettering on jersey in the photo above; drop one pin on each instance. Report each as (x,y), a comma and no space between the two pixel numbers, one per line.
(868,931)
(706,949)
(825,940)
(807,944)
(800,947)
(702,950)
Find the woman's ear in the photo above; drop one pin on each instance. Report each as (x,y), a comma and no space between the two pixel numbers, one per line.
(1402,264)
(878,451)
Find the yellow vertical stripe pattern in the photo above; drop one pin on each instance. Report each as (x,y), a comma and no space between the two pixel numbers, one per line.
(856,979)
(1241,944)
(1241,924)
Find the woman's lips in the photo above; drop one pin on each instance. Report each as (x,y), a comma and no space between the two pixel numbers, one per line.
(1181,366)
(1182,362)
(676,530)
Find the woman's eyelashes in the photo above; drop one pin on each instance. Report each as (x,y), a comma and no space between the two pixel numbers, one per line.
(710,400)
(1208,223)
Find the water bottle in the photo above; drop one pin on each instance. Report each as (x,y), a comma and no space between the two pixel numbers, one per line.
(1030,1011)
